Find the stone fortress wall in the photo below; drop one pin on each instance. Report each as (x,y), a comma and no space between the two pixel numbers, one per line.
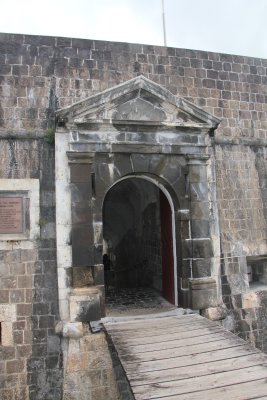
(41,74)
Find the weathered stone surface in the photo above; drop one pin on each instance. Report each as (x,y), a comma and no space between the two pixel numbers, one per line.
(99,274)
(70,329)
(80,193)
(82,276)
(250,300)
(89,373)
(122,163)
(200,228)
(202,293)
(197,248)
(82,235)
(140,162)
(199,191)
(197,174)
(82,256)
(39,74)
(201,268)
(200,210)
(85,305)
(215,313)
(80,173)
(32,268)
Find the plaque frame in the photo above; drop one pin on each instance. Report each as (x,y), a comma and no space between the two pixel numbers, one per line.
(25,196)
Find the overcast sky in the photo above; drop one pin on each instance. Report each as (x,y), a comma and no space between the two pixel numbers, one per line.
(227,26)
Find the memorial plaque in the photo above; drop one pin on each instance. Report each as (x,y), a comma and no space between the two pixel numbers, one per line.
(11,215)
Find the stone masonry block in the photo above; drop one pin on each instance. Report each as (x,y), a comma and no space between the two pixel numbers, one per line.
(81,193)
(200,228)
(4,296)
(185,269)
(99,274)
(93,342)
(202,293)
(251,300)
(215,313)
(200,210)
(82,235)
(197,248)
(69,329)
(6,334)
(80,173)
(82,256)
(201,268)
(199,191)
(24,310)
(8,312)
(15,366)
(85,305)
(184,229)
(122,163)
(81,215)
(82,276)
(197,173)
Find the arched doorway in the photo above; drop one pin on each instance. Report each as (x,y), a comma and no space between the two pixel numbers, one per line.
(138,231)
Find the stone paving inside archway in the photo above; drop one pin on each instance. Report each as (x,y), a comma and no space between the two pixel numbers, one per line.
(135,301)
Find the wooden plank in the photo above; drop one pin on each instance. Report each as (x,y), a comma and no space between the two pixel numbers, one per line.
(153,322)
(201,358)
(172,374)
(164,337)
(159,330)
(156,323)
(242,391)
(171,344)
(132,357)
(203,383)
(124,347)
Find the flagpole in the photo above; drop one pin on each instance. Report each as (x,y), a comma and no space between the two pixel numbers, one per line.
(163,24)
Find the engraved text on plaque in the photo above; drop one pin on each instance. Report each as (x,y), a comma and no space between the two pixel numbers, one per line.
(11,215)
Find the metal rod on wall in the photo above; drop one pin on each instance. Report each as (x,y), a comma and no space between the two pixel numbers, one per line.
(163,24)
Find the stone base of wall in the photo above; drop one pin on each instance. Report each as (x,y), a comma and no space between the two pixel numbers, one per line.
(245,303)
(247,317)
(88,370)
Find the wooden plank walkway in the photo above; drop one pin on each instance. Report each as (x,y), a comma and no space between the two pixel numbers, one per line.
(187,358)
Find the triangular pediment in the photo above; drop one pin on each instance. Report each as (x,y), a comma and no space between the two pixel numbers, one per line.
(135,101)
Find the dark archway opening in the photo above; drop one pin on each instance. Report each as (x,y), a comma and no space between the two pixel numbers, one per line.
(137,230)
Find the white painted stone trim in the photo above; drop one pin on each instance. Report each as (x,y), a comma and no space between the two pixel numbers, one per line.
(63,221)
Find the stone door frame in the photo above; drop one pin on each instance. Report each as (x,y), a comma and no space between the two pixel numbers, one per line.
(135,128)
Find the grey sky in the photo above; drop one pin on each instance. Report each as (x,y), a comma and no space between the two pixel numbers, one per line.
(228,26)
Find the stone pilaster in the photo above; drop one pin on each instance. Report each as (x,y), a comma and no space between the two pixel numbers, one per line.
(198,247)
(86,270)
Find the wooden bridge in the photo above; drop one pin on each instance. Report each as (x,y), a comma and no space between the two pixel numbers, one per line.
(187,358)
